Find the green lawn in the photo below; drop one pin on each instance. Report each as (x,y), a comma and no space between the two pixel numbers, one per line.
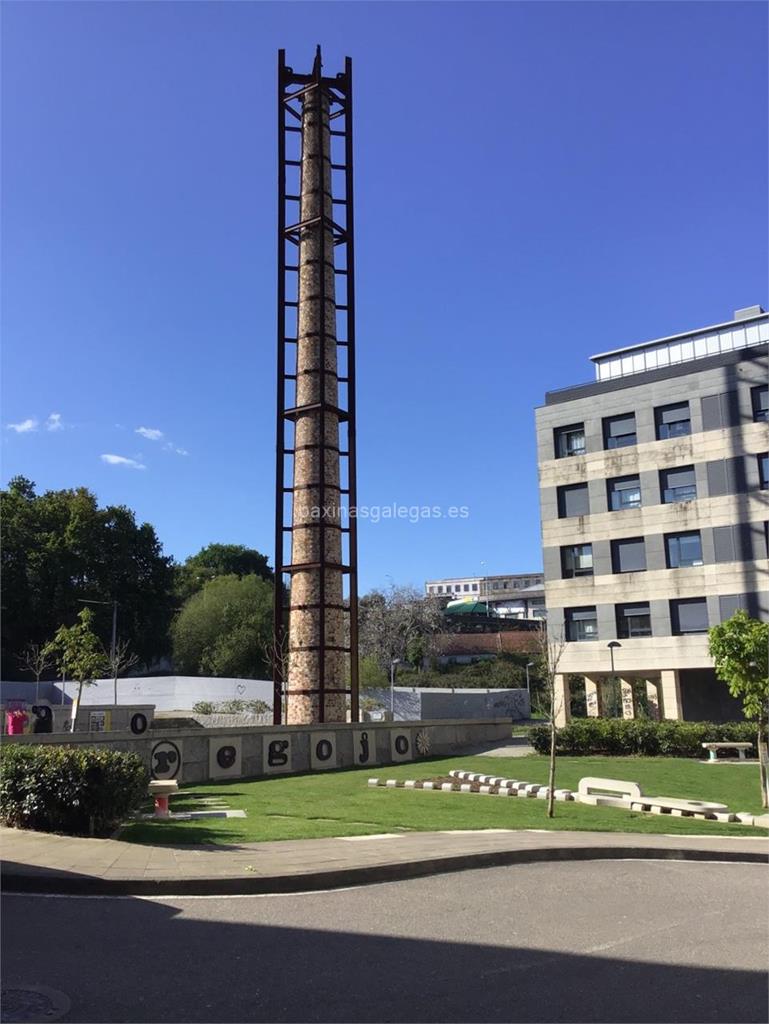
(341,804)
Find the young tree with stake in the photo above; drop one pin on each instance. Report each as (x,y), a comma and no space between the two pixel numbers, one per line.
(80,649)
(35,659)
(550,648)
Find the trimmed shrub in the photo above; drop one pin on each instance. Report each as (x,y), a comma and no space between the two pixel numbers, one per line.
(622,737)
(74,790)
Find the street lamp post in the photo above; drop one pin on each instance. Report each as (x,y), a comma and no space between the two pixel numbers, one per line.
(393,663)
(528,687)
(113,642)
(612,645)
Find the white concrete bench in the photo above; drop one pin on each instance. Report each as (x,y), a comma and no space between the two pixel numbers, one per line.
(617,793)
(607,792)
(741,748)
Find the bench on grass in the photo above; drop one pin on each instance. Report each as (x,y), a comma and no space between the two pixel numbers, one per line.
(629,795)
(741,748)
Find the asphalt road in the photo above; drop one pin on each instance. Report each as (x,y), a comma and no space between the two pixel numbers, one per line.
(612,941)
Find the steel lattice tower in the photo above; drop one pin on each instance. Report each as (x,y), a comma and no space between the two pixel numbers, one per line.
(316,642)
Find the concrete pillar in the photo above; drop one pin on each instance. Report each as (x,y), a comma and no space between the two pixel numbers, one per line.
(562,700)
(653,699)
(628,698)
(671,694)
(316,510)
(593,697)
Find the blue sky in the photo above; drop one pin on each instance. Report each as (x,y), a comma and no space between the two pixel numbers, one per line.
(535,182)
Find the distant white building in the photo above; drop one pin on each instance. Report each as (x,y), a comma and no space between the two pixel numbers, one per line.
(514,596)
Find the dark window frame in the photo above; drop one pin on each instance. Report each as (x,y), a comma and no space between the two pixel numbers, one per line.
(561,500)
(625,631)
(759,401)
(763,470)
(677,538)
(574,616)
(571,574)
(689,490)
(610,490)
(616,553)
(665,429)
(688,602)
(612,441)
(560,434)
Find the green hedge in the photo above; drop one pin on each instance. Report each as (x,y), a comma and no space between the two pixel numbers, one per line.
(617,736)
(75,790)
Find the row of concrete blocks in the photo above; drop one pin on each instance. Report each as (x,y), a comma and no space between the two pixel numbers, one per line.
(495,785)
(489,785)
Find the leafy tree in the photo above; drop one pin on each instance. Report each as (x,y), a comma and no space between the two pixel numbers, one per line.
(79,651)
(739,649)
(217,560)
(225,629)
(59,547)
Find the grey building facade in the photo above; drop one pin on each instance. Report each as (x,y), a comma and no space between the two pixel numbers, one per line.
(654,507)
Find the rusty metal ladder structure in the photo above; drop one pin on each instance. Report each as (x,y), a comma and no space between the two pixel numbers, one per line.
(292,87)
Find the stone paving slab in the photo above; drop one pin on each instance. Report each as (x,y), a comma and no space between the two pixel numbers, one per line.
(40,862)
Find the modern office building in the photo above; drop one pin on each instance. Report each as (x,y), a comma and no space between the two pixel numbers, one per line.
(516,595)
(654,503)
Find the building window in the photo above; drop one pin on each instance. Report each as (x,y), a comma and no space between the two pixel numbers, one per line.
(569,441)
(581,624)
(624,492)
(466,587)
(689,616)
(683,549)
(760,399)
(628,555)
(678,484)
(728,604)
(673,421)
(475,586)
(763,471)
(633,620)
(619,431)
(577,560)
(573,501)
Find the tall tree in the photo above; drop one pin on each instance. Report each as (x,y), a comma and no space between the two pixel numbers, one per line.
(59,548)
(225,629)
(216,560)
(79,652)
(398,623)
(739,648)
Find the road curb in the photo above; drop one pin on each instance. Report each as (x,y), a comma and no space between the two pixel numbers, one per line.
(48,882)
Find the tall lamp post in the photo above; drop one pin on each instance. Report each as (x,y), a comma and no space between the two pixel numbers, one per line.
(528,687)
(393,663)
(612,645)
(113,642)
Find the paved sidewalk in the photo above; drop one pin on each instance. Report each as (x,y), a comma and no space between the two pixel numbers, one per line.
(40,862)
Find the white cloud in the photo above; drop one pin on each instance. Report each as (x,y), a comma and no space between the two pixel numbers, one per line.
(25,427)
(151,433)
(169,446)
(121,460)
(54,422)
